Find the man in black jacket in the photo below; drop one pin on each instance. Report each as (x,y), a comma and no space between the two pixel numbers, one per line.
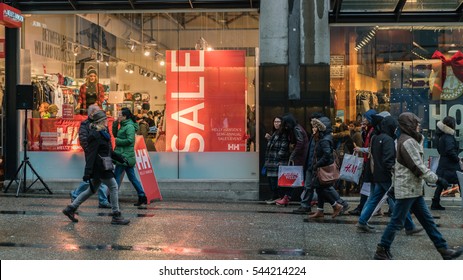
(83,135)
(383,155)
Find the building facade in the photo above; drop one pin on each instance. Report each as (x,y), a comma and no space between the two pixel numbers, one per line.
(218,74)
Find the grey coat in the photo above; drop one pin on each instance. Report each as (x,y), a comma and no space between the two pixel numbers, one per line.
(276,153)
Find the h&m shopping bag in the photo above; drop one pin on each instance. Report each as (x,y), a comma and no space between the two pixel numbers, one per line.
(290,176)
(351,168)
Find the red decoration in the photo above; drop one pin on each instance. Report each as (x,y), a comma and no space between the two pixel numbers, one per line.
(456,61)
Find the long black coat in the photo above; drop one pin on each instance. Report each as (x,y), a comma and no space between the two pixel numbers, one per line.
(99,145)
(449,162)
(383,151)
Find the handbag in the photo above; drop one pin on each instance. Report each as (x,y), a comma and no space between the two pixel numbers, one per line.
(328,175)
(351,168)
(290,176)
(107,163)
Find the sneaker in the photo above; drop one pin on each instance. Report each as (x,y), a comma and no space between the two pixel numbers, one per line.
(104,205)
(70,211)
(345,207)
(365,228)
(302,210)
(413,231)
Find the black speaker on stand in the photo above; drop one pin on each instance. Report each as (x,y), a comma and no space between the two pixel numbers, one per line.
(25,101)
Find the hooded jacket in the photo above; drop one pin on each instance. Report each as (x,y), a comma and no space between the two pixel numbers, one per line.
(410,172)
(125,140)
(383,152)
(323,155)
(298,139)
(447,146)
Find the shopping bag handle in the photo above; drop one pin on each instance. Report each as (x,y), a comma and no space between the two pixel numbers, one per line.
(291,162)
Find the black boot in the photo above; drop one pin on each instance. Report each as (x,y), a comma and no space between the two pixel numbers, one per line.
(382,253)
(141,200)
(70,211)
(450,254)
(435,205)
(118,219)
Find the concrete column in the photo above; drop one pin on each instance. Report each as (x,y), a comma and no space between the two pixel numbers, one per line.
(273,24)
(315,32)
(294,24)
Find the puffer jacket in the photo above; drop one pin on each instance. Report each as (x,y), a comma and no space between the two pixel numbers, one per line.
(410,172)
(449,162)
(125,140)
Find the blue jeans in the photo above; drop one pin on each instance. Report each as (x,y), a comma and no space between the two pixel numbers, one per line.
(119,174)
(379,190)
(418,207)
(102,192)
(97,183)
(308,195)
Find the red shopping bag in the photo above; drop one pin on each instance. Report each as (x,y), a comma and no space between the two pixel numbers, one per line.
(290,176)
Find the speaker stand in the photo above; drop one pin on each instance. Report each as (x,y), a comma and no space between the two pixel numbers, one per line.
(22,169)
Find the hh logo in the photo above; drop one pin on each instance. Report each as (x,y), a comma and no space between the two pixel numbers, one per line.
(142,160)
(233,147)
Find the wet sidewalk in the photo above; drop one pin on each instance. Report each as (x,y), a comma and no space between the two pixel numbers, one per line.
(33,227)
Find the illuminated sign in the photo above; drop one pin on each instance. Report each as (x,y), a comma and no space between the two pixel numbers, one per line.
(10,17)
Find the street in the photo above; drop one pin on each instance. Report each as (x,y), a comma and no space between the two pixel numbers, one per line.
(33,228)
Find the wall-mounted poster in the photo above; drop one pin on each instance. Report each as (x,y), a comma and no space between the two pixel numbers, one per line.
(206,112)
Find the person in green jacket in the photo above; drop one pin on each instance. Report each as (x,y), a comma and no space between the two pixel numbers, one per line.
(124,129)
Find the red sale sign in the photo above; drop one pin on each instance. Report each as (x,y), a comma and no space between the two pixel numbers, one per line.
(146,171)
(205,101)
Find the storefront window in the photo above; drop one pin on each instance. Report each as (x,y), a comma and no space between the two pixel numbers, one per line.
(398,69)
(189,78)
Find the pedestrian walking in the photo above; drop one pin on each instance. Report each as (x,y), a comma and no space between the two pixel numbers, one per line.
(410,175)
(449,162)
(276,154)
(96,171)
(125,142)
(383,155)
(84,131)
(323,156)
(299,146)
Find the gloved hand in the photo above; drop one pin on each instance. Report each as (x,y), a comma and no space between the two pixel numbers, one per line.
(441,182)
(86,178)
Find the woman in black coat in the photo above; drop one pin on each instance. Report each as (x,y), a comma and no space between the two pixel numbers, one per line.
(99,147)
(323,156)
(449,162)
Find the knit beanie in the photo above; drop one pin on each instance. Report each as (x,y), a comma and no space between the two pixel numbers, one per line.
(318,124)
(92,109)
(99,116)
(91,70)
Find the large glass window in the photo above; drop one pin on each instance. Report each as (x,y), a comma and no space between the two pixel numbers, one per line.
(188,77)
(398,69)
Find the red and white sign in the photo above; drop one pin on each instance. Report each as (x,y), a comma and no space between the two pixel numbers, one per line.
(10,17)
(146,171)
(205,101)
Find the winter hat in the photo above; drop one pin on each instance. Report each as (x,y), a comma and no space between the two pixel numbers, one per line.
(91,70)
(92,109)
(99,116)
(369,115)
(318,124)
